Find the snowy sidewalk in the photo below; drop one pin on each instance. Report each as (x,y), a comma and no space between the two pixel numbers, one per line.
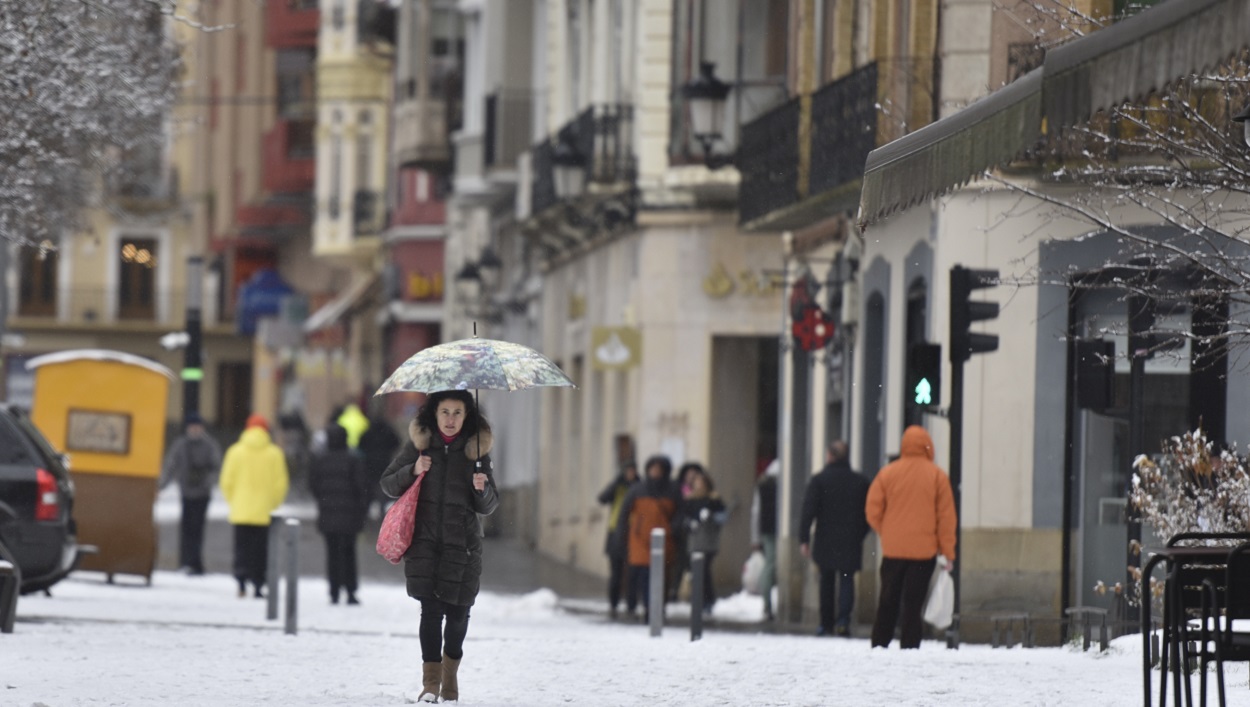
(190,641)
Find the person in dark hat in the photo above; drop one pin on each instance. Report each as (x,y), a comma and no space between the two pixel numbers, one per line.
(193,461)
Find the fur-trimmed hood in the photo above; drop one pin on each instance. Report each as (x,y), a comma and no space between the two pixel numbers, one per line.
(420,437)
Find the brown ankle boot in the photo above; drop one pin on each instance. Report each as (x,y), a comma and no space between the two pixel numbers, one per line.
(451,688)
(431,677)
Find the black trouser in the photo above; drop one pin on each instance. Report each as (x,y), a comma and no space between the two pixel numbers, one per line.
(836,586)
(435,640)
(341,563)
(709,591)
(191,533)
(616,579)
(905,583)
(251,554)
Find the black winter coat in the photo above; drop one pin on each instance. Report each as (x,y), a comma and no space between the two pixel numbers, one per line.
(445,559)
(835,500)
(339,482)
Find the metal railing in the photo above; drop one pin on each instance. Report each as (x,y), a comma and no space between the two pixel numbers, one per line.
(844,128)
(603,135)
(543,180)
(768,158)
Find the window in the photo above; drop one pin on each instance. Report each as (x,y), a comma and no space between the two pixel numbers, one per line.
(37,291)
(336,164)
(136,278)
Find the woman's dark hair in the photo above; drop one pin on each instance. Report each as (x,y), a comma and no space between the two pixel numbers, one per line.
(661,461)
(474,420)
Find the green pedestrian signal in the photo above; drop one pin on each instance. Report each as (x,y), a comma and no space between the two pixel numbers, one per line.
(924,374)
(924,392)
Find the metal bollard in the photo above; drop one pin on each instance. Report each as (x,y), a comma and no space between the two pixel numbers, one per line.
(292,575)
(655,595)
(271,567)
(696,596)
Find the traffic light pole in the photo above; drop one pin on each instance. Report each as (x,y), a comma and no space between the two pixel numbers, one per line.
(956,416)
(192,363)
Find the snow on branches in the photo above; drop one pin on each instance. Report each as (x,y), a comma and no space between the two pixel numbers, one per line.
(81,81)
(1192,488)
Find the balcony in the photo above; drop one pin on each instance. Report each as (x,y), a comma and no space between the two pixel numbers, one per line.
(787,184)
(275,220)
(422,134)
(543,185)
(509,120)
(368,213)
(603,134)
(291,23)
(289,164)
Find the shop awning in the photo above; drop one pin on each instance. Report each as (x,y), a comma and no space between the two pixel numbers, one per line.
(1125,61)
(344,302)
(945,154)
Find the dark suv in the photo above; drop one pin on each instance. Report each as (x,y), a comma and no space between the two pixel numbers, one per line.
(37,532)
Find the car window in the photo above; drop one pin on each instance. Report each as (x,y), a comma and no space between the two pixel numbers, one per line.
(14,447)
(51,459)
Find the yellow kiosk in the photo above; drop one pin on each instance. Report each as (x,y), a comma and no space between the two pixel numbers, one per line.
(107,410)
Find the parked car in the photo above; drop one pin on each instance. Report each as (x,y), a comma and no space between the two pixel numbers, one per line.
(37,531)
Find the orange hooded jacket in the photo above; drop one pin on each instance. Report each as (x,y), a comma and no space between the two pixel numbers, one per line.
(910,503)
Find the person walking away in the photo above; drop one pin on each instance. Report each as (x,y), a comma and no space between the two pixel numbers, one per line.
(911,507)
(703,514)
(254,481)
(378,445)
(613,496)
(764,531)
(354,421)
(834,501)
(648,506)
(193,462)
(449,443)
(342,490)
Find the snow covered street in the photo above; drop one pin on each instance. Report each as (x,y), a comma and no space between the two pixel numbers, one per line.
(190,641)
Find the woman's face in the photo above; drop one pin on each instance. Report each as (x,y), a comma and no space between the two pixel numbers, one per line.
(450,417)
(698,485)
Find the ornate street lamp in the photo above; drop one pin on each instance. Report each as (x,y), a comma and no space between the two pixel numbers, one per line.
(706,97)
(568,170)
(468,283)
(488,267)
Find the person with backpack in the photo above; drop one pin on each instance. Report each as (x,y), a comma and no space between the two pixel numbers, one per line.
(193,461)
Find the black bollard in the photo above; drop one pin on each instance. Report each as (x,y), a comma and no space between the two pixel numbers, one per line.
(696,595)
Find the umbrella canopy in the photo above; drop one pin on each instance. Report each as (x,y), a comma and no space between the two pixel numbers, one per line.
(475,363)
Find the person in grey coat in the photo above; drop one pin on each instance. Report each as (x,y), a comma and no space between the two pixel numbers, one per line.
(835,502)
(703,514)
(449,445)
(193,461)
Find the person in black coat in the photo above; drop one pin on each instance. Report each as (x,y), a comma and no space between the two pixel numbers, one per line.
(449,445)
(613,496)
(835,500)
(342,489)
(378,444)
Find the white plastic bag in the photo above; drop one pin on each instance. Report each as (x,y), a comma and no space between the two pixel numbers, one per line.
(940,606)
(752,572)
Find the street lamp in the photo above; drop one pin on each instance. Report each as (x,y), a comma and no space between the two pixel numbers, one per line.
(1244,118)
(706,96)
(568,170)
(488,267)
(468,282)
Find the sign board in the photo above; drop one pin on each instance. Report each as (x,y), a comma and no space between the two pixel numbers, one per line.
(615,348)
(98,431)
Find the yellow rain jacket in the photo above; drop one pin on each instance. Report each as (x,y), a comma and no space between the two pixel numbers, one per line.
(254,478)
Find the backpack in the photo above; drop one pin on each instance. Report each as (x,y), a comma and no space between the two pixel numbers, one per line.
(200,463)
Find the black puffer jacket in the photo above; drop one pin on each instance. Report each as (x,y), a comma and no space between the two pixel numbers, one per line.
(338,481)
(445,559)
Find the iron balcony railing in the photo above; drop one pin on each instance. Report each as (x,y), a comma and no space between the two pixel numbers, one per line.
(543,181)
(844,129)
(768,159)
(602,135)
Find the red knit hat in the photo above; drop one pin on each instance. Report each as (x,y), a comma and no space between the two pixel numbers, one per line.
(257,420)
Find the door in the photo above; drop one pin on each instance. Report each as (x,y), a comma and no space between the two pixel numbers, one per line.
(1101,534)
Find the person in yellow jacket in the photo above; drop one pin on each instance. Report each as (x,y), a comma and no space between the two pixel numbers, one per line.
(254,482)
(355,422)
(911,507)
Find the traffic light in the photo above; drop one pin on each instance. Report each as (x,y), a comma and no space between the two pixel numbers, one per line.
(924,374)
(964,312)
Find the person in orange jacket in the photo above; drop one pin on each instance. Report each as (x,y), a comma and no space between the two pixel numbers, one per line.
(912,508)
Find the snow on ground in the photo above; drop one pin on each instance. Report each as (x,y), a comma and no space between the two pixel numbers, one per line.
(190,641)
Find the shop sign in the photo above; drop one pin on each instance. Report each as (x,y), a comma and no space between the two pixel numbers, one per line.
(615,348)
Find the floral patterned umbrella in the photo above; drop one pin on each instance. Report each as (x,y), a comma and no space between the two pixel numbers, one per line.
(475,363)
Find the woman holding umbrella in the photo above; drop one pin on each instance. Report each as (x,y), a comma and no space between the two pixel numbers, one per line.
(449,443)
